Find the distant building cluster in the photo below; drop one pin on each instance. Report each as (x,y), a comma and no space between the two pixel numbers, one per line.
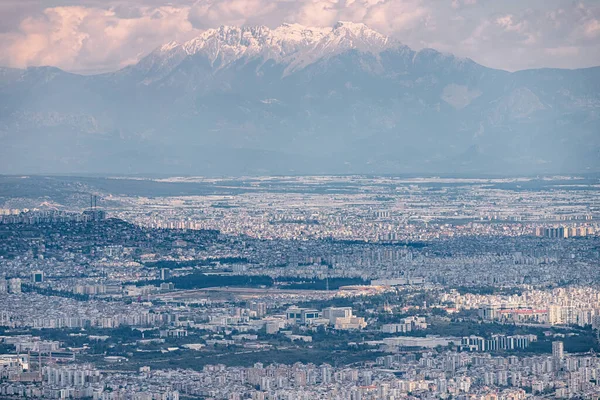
(407,324)
(338,317)
(36,311)
(561,306)
(23,377)
(497,342)
(31,217)
(564,232)
(11,285)
(378,289)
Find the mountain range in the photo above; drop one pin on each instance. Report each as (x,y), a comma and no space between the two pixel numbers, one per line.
(299,100)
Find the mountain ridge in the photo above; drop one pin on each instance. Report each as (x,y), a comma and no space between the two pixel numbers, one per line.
(256,100)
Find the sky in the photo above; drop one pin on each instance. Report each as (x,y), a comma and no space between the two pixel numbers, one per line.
(92,36)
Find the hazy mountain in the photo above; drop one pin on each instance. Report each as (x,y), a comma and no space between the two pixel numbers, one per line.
(299,100)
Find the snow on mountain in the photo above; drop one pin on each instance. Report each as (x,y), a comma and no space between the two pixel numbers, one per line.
(294,45)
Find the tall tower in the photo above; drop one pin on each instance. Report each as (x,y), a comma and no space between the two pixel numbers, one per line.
(40,373)
(557,355)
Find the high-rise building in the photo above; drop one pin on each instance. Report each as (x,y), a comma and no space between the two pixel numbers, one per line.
(333,313)
(258,307)
(326,373)
(557,354)
(164,274)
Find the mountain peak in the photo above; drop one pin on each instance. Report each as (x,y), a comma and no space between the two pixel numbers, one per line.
(292,44)
(169,46)
(356,27)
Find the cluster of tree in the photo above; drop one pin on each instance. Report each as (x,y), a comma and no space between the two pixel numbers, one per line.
(233,356)
(196,263)
(198,280)
(52,292)
(319,284)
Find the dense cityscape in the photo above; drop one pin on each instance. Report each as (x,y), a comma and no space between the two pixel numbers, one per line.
(345,288)
(300,199)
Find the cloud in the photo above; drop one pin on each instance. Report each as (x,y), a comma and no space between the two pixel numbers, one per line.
(394,17)
(102,35)
(209,14)
(91,39)
(385,15)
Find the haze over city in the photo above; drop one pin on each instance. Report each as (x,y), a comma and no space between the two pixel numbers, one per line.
(313,199)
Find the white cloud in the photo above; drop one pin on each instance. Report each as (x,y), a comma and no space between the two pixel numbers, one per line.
(592,28)
(209,14)
(398,16)
(82,38)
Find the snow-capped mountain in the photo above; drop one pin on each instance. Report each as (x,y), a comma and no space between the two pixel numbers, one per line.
(291,44)
(344,99)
